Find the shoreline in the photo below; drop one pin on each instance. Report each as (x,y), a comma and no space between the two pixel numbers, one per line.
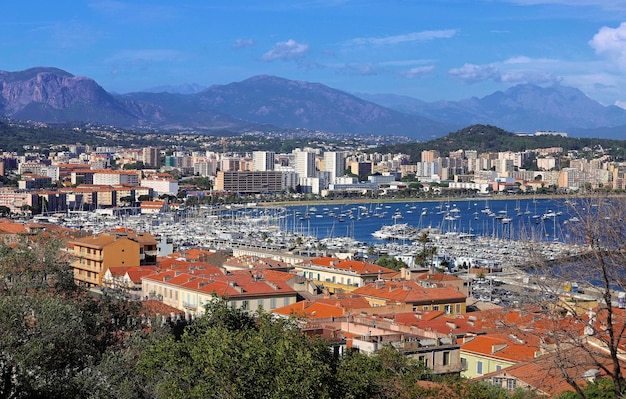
(512,197)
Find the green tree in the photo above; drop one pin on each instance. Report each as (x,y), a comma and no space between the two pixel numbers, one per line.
(127,199)
(228,353)
(52,333)
(425,256)
(385,374)
(35,266)
(43,348)
(391,263)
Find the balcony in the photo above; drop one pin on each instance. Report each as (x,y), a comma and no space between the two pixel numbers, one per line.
(95,268)
(190,306)
(85,255)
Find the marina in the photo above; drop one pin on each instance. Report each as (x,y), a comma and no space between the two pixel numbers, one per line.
(467,233)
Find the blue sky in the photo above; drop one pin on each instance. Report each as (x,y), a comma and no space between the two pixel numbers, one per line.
(430,50)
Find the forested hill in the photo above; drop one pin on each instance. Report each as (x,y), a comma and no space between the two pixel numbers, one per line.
(486,138)
(16,136)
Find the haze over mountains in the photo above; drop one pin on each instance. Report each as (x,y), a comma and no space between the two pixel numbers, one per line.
(268,102)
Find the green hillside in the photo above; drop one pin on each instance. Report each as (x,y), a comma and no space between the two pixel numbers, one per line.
(486,138)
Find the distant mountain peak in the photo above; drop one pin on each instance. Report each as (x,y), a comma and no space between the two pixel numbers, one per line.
(520,108)
(185,88)
(49,94)
(31,73)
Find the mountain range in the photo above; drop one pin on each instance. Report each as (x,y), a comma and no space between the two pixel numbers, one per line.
(268,102)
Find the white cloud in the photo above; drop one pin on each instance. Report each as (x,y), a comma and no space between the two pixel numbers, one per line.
(471,73)
(289,50)
(241,43)
(408,37)
(621,104)
(611,43)
(522,59)
(533,77)
(417,72)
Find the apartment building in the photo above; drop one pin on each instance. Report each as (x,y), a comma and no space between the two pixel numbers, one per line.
(249,181)
(94,255)
(342,275)
(190,290)
(423,297)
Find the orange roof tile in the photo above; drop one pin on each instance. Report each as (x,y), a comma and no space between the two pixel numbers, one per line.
(359,267)
(311,310)
(10,227)
(501,346)
(546,373)
(409,292)
(232,285)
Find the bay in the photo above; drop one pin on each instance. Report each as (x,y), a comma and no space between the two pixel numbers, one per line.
(525,219)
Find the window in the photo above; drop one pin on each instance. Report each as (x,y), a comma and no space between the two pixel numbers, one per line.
(273,303)
(447,309)
(479,367)
(446,358)
(458,308)
(498,367)
(259,304)
(435,307)
(245,304)
(498,381)
(286,301)
(510,384)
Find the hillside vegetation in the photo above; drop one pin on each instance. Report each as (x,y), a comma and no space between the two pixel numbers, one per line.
(486,138)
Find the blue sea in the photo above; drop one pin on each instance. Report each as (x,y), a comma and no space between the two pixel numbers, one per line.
(539,220)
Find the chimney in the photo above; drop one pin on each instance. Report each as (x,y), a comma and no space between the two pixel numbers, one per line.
(498,347)
(452,325)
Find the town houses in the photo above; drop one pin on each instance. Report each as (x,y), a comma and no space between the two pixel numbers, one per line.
(89,178)
(427,314)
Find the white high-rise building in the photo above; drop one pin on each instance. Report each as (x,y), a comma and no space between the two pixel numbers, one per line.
(335,163)
(305,163)
(263,160)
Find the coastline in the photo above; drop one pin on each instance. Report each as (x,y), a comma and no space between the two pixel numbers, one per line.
(511,197)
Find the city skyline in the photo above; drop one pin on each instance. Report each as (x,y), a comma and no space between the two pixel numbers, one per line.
(431,51)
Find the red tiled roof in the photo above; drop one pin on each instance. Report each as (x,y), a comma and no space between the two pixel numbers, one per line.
(438,277)
(9,227)
(348,302)
(153,307)
(118,271)
(409,292)
(501,346)
(546,373)
(236,284)
(311,310)
(137,272)
(359,267)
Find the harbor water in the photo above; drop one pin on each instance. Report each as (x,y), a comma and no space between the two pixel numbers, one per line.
(527,219)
